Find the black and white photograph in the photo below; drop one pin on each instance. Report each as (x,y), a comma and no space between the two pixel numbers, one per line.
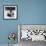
(10,12)
(33,32)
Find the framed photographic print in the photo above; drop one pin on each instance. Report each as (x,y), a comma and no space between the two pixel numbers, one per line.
(10,12)
(32,32)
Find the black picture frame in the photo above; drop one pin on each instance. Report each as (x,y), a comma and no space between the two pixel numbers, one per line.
(9,9)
